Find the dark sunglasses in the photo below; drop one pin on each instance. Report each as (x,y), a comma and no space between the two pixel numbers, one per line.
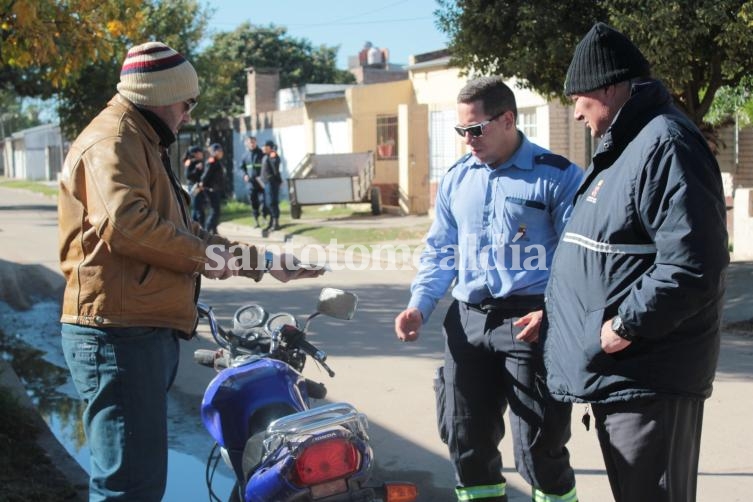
(476,130)
(190,105)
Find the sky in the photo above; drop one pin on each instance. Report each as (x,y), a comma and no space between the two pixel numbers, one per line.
(404,27)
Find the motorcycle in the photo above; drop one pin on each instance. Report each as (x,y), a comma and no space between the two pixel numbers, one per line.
(257,409)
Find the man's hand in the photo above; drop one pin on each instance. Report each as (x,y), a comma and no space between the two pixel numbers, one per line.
(407,324)
(611,342)
(532,323)
(226,267)
(286,267)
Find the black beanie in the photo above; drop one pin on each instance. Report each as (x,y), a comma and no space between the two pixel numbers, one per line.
(604,57)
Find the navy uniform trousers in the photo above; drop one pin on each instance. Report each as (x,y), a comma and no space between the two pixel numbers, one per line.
(486,370)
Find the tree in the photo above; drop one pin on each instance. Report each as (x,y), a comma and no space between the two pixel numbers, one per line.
(14,116)
(75,47)
(178,23)
(695,47)
(224,63)
(45,43)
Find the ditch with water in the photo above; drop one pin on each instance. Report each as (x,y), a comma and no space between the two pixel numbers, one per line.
(31,343)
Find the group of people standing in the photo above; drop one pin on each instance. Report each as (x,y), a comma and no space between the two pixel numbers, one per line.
(261,172)
(206,183)
(602,288)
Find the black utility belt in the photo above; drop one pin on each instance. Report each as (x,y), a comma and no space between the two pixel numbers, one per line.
(516,305)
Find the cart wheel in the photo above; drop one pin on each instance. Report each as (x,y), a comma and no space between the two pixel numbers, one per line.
(376,201)
(295,211)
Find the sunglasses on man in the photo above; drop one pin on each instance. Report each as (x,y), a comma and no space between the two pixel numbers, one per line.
(190,105)
(476,130)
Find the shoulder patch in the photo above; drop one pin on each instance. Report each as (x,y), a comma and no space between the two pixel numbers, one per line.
(460,161)
(552,159)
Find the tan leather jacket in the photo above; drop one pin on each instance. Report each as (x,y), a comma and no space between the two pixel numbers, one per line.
(128,250)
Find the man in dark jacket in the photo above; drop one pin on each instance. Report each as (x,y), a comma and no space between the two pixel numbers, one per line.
(251,167)
(270,174)
(194,164)
(213,184)
(635,294)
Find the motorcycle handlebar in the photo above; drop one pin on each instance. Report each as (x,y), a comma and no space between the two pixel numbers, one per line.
(292,336)
(297,338)
(205,357)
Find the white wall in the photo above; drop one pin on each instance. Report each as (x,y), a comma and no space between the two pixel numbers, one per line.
(291,146)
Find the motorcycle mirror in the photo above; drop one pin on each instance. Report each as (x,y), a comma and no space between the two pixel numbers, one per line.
(337,303)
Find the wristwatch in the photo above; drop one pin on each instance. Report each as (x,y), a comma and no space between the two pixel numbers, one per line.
(619,327)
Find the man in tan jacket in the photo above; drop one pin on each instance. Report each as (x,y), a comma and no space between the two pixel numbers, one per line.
(132,259)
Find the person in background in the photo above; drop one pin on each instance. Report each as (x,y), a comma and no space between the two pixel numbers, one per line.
(194,169)
(213,184)
(500,211)
(270,173)
(132,259)
(251,167)
(635,298)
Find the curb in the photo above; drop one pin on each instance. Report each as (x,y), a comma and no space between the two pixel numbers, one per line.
(58,455)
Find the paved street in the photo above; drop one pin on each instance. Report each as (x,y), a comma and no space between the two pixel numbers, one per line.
(392,382)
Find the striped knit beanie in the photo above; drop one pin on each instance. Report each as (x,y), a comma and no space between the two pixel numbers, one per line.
(604,57)
(153,74)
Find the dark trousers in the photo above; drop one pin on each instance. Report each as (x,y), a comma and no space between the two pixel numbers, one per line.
(213,218)
(198,201)
(258,206)
(272,199)
(651,448)
(486,370)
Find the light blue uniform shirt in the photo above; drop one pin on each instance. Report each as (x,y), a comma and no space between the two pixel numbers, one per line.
(495,230)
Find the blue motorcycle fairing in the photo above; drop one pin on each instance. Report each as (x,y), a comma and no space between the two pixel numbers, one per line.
(272,480)
(236,394)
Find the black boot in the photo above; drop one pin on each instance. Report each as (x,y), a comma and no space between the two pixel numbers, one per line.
(270,224)
(276,225)
(258,224)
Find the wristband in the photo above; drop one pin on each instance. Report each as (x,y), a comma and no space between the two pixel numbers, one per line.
(619,327)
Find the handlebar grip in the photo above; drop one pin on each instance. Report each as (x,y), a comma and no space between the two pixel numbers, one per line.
(205,357)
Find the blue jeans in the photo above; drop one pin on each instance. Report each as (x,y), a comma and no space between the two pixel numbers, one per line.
(123,375)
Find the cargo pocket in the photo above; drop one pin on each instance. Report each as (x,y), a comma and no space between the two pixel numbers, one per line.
(439,392)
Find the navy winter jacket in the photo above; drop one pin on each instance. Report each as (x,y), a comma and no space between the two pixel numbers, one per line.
(647,240)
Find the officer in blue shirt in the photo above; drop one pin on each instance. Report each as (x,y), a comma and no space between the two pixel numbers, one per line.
(500,211)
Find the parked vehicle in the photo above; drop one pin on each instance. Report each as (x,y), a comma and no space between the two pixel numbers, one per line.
(335,178)
(257,410)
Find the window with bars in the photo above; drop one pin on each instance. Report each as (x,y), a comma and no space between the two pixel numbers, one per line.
(442,143)
(386,137)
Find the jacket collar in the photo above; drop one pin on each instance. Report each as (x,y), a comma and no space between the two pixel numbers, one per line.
(151,125)
(648,99)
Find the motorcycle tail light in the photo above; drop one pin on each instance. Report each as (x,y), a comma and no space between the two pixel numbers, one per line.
(400,492)
(325,461)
